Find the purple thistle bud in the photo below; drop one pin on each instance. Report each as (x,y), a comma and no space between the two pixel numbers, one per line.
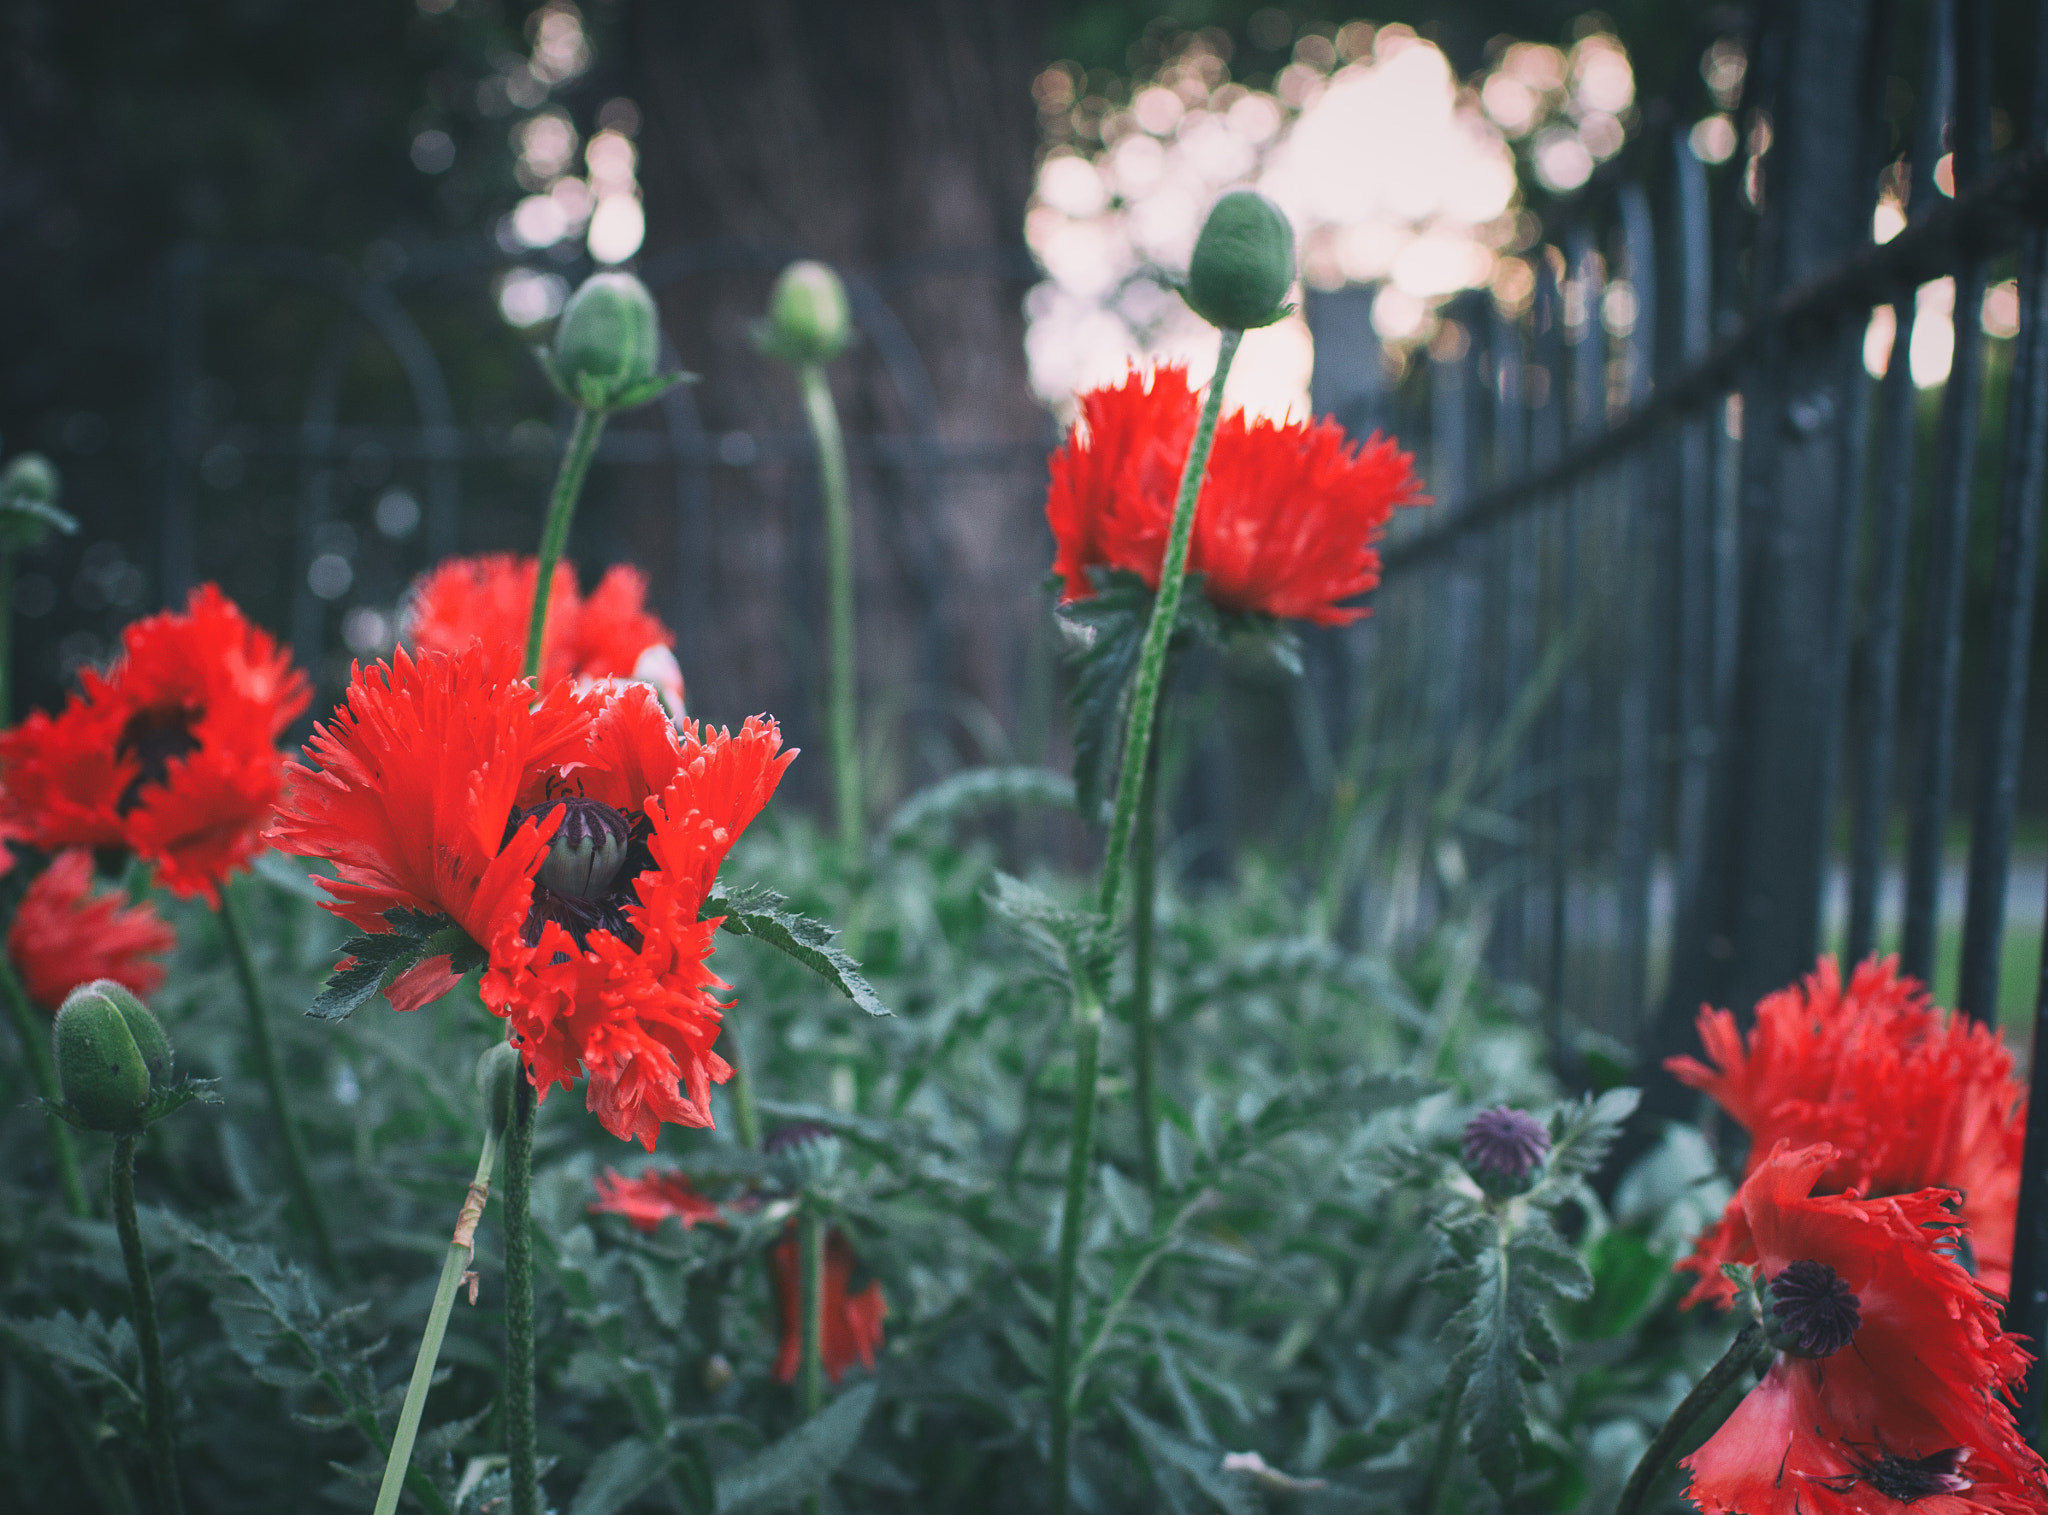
(797,1134)
(1504,1145)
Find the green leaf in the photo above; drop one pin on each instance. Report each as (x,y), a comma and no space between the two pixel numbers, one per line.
(102,1350)
(381,957)
(1627,1278)
(976,789)
(762,914)
(1063,938)
(1580,1137)
(618,1475)
(1169,1455)
(1111,636)
(783,1472)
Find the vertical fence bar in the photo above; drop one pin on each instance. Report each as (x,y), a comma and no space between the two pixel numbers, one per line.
(182,314)
(1941,646)
(1878,711)
(1517,612)
(1643,557)
(2027,1312)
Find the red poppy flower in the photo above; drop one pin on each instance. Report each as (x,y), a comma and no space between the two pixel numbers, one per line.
(574,842)
(63,935)
(1909,1099)
(1285,522)
(1886,1390)
(652,1198)
(607,635)
(171,752)
(853,1318)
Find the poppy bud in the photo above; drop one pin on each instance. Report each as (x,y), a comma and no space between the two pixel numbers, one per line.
(808,320)
(803,1155)
(1504,1151)
(607,342)
(109,1047)
(28,481)
(497,1076)
(1243,264)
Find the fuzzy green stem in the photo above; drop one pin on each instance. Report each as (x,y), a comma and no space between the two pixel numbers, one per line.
(163,1466)
(1737,1360)
(1080,1154)
(741,1087)
(823,417)
(1144,885)
(1159,632)
(554,536)
(32,1029)
(521,1431)
(810,1233)
(461,1251)
(236,930)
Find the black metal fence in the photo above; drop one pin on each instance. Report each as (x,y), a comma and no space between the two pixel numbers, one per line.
(1696,542)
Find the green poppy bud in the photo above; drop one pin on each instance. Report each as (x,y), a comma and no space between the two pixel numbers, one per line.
(607,342)
(1243,264)
(497,1078)
(808,319)
(29,480)
(106,1044)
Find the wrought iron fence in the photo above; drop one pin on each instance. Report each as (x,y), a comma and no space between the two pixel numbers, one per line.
(1706,508)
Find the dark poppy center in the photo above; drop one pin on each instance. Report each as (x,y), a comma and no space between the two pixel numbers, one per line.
(1816,1314)
(1909,1478)
(153,738)
(585,882)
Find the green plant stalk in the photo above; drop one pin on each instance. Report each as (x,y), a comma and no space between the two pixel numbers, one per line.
(163,1465)
(461,1251)
(1159,632)
(823,417)
(741,1086)
(554,536)
(1144,1037)
(6,636)
(32,1029)
(1080,1154)
(810,1234)
(521,1431)
(1737,1360)
(296,1168)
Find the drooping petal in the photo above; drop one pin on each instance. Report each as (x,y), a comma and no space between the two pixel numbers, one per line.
(65,934)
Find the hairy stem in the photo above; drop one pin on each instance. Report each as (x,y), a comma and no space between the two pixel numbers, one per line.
(296,1168)
(1080,1153)
(810,1233)
(1738,1359)
(741,1087)
(163,1465)
(1144,867)
(520,1429)
(554,536)
(32,1029)
(1159,632)
(461,1250)
(823,417)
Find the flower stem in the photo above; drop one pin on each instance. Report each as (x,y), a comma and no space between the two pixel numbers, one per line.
(810,1234)
(554,536)
(520,1429)
(1087,1040)
(163,1467)
(1159,631)
(33,1030)
(741,1086)
(303,1191)
(461,1250)
(1144,867)
(1738,1359)
(823,417)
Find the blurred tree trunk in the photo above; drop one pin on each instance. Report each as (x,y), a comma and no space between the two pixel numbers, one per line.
(896,142)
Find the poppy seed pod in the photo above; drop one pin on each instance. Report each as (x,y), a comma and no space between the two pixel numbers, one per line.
(808,319)
(497,1074)
(1243,264)
(608,340)
(108,1046)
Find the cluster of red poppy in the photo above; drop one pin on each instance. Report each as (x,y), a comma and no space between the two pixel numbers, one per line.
(1885,1148)
(1285,522)
(853,1317)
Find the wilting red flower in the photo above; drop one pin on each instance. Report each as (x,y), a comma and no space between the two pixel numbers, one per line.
(489,600)
(853,1318)
(1887,1389)
(574,841)
(171,752)
(652,1198)
(63,935)
(1909,1099)
(1285,522)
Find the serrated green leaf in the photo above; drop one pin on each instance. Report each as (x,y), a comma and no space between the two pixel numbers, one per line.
(381,957)
(976,789)
(1580,1137)
(763,915)
(784,1471)
(1104,658)
(1127,1202)
(105,1351)
(618,1475)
